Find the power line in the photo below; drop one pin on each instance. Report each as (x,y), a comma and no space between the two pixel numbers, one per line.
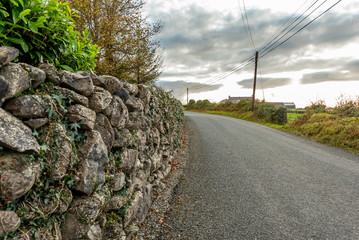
(280,30)
(279,37)
(246,23)
(302,28)
(270,46)
(218,79)
(230,71)
(249,29)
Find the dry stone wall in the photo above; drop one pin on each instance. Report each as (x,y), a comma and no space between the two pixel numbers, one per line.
(80,154)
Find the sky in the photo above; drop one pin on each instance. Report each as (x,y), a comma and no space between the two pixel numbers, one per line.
(205,41)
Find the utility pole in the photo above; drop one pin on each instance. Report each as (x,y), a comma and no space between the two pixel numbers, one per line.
(187,95)
(255,80)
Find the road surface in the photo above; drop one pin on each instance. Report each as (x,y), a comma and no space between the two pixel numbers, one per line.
(247,181)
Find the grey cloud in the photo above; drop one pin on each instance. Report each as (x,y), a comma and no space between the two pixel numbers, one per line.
(267,82)
(197,37)
(179,88)
(345,71)
(329,76)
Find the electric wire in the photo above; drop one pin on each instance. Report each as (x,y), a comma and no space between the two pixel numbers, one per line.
(327,10)
(246,24)
(269,47)
(229,71)
(218,79)
(280,29)
(279,37)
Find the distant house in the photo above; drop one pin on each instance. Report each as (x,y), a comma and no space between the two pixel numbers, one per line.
(289,105)
(236,99)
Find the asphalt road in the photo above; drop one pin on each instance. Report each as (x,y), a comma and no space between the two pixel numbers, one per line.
(247,181)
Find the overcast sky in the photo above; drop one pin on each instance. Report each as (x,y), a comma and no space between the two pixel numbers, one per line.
(204,40)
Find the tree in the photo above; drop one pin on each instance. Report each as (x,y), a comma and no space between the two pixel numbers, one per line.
(128,50)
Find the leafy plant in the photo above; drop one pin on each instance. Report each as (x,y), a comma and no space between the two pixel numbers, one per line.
(44,31)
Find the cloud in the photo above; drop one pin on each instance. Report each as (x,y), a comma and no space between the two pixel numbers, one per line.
(179,88)
(346,71)
(267,82)
(200,42)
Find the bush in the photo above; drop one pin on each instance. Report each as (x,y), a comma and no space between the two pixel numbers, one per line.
(226,106)
(347,108)
(317,107)
(44,31)
(244,106)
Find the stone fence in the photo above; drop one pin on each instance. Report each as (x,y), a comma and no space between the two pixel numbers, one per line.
(80,154)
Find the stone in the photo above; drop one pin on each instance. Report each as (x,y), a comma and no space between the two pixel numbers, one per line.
(135,205)
(114,231)
(123,94)
(14,134)
(95,232)
(103,126)
(17,176)
(116,203)
(37,76)
(156,161)
(155,136)
(77,98)
(93,158)
(112,83)
(131,231)
(60,157)
(131,88)
(36,123)
(80,218)
(79,113)
(7,54)
(10,222)
(4,89)
(144,93)
(16,184)
(135,185)
(123,138)
(118,181)
(128,158)
(134,104)
(18,79)
(117,113)
(140,138)
(97,81)
(28,106)
(137,121)
(50,71)
(86,208)
(77,82)
(100,99)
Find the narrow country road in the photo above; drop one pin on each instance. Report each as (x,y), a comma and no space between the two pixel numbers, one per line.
(247,181)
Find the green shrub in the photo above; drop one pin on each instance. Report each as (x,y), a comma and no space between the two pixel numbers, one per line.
(347,108)
(317,107)
(244,106)
(43,31)
(226,106)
